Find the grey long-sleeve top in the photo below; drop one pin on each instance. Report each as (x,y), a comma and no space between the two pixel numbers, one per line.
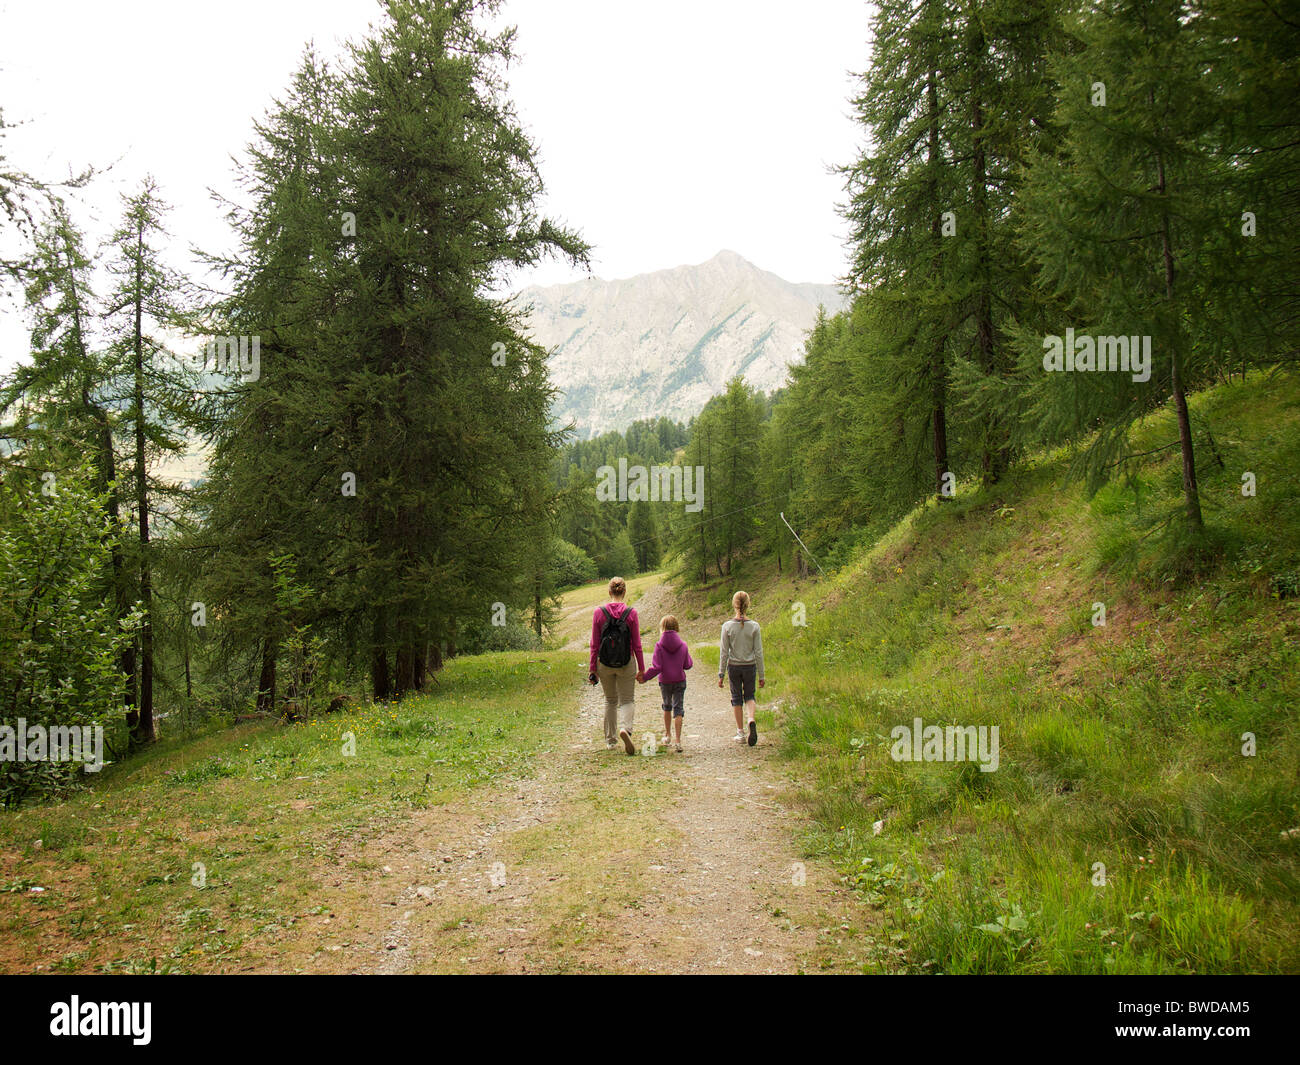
(741,645)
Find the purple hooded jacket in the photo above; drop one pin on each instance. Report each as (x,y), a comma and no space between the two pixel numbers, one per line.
(672,658)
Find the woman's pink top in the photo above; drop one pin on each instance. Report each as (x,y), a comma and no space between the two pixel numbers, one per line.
(598,623)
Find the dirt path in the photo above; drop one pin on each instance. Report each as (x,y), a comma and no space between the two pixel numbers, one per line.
(599,862)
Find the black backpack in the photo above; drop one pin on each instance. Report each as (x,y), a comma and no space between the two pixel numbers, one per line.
(615,640)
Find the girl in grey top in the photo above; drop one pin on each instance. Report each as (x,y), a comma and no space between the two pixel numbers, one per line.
(740,660)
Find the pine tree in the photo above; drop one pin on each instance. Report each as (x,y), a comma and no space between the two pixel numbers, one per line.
(956,95)
(23,198)
(901,197)
(696,533)
(1129,222)
(1003,95)
(736,482)
(156,390)
(725,441)
(54,397)
(275,463)
(643,531)
(61,400)
(405,398)
(1258,60)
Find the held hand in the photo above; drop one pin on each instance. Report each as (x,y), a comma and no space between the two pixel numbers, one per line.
(640,676)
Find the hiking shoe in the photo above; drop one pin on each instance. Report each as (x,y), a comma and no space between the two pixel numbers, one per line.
(626,737)
(610,744)
(740,736)
(753,733)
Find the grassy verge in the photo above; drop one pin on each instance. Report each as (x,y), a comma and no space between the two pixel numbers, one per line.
(260,816)
(1125,830)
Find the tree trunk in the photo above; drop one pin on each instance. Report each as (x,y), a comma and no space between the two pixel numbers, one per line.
(994,455)
(117,565)
(938,368)
(1191,494)
(380,680)
(266,681)
(107,466)
(405,666)
(421,666)
(142,732)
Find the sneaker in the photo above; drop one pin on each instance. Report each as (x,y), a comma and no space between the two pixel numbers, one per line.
(626,737)
(753,733)
(740,736)
(610,744)
(666,741)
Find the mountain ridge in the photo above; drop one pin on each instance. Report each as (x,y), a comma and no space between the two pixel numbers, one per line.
(665,342)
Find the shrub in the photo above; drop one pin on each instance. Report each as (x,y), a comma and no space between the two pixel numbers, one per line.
(59,639)
(572,565)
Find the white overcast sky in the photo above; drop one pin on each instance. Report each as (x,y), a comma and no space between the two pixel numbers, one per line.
(667,131)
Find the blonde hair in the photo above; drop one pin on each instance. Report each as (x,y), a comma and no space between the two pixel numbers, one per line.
(740,602)
(617,587)
(668,623)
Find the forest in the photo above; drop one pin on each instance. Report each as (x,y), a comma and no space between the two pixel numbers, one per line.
(382,483)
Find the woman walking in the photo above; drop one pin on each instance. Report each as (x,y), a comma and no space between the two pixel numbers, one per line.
(740,660)
(615,641)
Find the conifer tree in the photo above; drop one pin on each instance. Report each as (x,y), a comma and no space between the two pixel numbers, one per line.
(155,389)
(1129,221)
(902,199)
(725,441)
(1258,60)
(61,401)
(275,465)
(1002,98)
(391,198)
(643,531)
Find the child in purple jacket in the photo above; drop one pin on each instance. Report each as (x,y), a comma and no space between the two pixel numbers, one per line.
(672,658)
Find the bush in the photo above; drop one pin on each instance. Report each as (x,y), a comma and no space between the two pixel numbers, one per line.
(59,639)
(572,565)
(619,559)
(479,637)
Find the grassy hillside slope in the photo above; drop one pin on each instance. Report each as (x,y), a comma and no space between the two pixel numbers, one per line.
(1120,744)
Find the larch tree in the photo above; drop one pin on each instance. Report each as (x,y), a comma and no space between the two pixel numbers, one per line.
(1129,222)
(155,389)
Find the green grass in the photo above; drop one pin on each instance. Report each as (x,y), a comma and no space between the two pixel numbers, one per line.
(590,595)
(1119,745)
(577,604)
(266,810)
